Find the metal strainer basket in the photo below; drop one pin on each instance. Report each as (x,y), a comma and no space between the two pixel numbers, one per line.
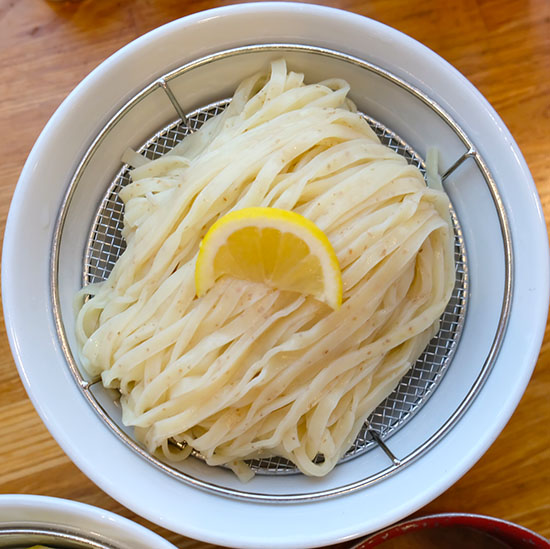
(105,244)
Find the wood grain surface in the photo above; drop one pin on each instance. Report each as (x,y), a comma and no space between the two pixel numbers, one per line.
(502,46)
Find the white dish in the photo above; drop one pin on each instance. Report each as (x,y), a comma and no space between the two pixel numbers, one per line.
(165,500)
(72,520)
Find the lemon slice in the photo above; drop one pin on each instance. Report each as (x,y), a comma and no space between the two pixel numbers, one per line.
(280,248)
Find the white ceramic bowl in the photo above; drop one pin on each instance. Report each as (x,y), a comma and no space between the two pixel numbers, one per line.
(27,520)
(151,492)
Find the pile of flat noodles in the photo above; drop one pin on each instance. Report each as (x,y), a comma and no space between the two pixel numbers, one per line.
(249,371)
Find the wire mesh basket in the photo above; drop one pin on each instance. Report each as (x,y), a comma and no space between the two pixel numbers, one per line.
(104,244)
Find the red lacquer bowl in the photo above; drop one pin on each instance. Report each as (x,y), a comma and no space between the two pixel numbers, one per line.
(513,535)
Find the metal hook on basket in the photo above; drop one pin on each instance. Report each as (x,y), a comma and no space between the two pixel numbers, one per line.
(164,86)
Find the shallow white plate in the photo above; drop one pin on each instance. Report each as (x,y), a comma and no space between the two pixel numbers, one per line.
(112,465)
(73,518)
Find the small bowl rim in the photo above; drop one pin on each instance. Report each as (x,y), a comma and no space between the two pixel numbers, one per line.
(66,516)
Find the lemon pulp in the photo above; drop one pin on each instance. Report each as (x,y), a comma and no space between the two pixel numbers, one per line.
(280,248)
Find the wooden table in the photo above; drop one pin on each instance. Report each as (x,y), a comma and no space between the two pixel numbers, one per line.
(502,46)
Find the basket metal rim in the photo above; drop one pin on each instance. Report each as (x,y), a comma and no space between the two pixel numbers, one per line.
(59,534)
(397,464)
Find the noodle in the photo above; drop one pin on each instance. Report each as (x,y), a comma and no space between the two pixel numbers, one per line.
(248,371)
